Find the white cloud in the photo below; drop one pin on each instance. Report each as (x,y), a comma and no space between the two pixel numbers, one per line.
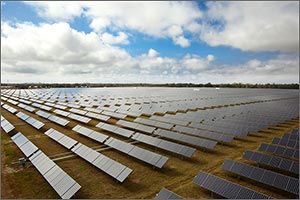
(56,10)
(58,53)
(152,53)
(210,58)
(121,38)
(181,41)
(253,26)
(161,19)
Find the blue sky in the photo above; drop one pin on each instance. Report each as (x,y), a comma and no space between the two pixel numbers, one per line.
(207,40)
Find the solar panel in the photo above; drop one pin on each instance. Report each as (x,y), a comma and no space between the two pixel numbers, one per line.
(79,118)
(22,116)
(115,129)
(263,176)
(90,133)
(154,123)
(81,112)
(186,138)
(226,188)
(285,142)
(6,125)
(289,136)
(61,112)
(139,127)
(137,152)
(61,138)
(273,161)
(164,144)
(43,114)
(97,116)
(27,147)
(109,166)
(9,108)
(166,194)
(61,182)
(115,115)
(205,134)
(280,150)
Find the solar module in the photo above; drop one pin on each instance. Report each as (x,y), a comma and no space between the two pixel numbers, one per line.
(99,137)
(273,161)
(61,138)
(186,139)
(97,116)
(280,150)
(6,125)
(165,194)
(115,129)
(139,127)
(289,136)
(164,144)
(79,118)
(9,108)
(27,147)
(205,134)
(61,182)
(267,177)
(61,112)
(113,168)
(226,188)
(137,152)
(154,123)
(285,142)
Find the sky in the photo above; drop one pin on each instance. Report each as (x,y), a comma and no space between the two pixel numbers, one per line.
(150,42)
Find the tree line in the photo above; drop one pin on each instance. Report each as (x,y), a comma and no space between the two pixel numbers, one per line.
(211,85)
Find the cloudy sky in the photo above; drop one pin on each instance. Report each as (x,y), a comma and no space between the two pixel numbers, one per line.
(150,42)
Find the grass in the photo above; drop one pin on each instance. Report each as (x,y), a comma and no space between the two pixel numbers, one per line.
(144,182)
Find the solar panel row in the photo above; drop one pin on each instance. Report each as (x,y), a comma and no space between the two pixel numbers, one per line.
(60,181)
(6,125)
(186,139)
(164,144)
(99,137)
(279,150)
(226,188)
(205,134)
(273,161)
(79,118)
(53,118)
(115,129)
(285,142)
(136,126)
(137,152)
(267,177)
(290,136)
(9,108)
(165,194)
(30,120)
(154,123)
(41,106)
(104,163)
(61,138)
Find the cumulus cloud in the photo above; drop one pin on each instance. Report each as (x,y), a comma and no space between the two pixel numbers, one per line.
(121,38)
(158,19)
(56,52)
(152,53)
(249,26)
(252,26)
